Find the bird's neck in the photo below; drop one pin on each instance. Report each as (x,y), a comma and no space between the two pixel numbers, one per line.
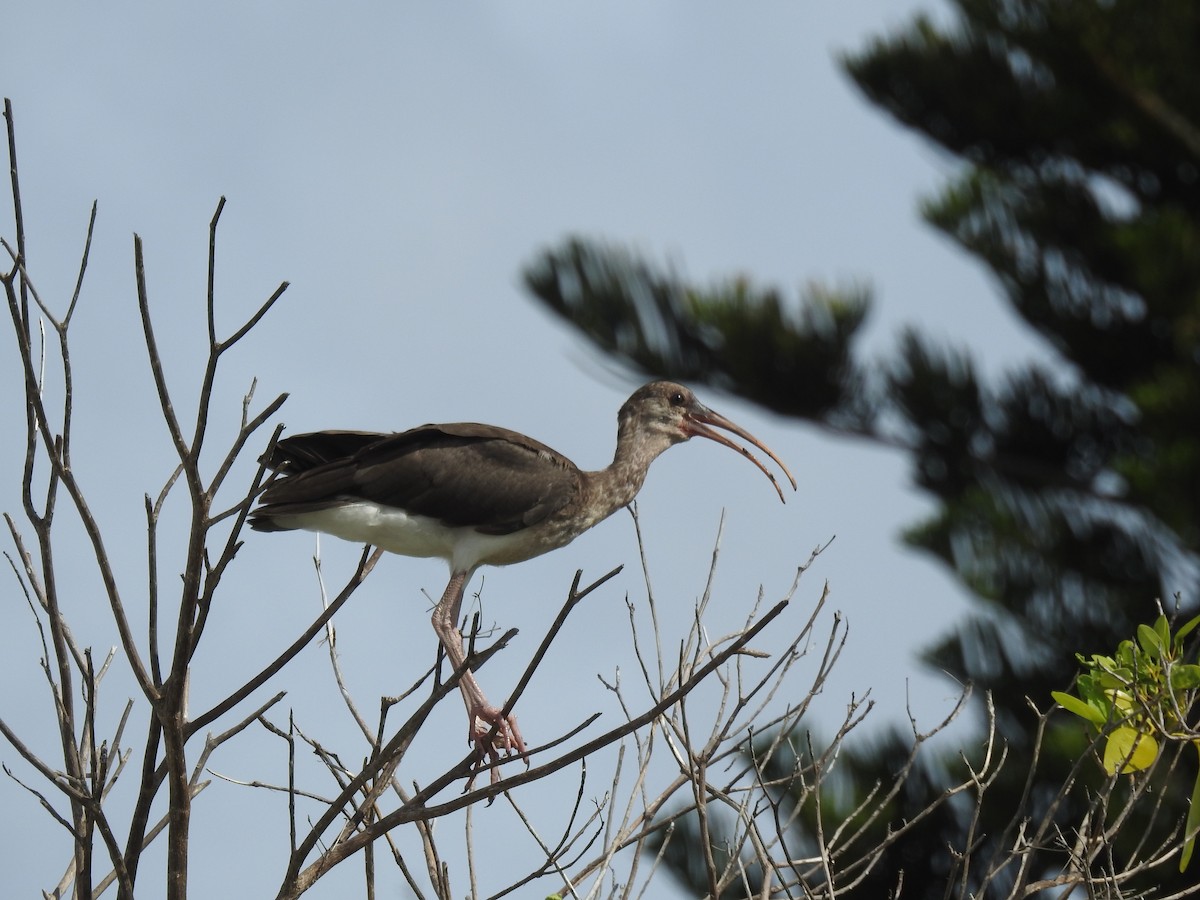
(615,487)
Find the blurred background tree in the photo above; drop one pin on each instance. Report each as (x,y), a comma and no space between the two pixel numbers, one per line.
(1068,495)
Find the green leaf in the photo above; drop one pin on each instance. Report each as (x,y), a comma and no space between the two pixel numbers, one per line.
(1151,641)
(1117,680)
(1129,750)
(1075,705)
(1184,677)
(1163,628)
(1124,657)
(1192,825)
(1186,629)
(1119,702)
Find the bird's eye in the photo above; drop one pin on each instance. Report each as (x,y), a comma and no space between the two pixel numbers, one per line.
(677,398)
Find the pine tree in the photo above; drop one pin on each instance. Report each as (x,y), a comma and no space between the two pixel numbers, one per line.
(1068,495)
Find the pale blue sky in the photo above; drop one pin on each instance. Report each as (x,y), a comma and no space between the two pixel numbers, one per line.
(399,164)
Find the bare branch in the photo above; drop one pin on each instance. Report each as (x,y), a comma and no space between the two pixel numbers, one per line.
(366,563)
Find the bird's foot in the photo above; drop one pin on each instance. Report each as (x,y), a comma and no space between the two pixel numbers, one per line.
(495,736)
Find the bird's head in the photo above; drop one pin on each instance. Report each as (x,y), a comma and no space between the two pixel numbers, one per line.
(663,413)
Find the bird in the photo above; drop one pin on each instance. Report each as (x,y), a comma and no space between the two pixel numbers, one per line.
(477,495)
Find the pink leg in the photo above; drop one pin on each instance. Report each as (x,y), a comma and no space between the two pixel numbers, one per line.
(482,715)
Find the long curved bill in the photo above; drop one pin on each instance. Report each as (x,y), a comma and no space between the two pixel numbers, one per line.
(697,422)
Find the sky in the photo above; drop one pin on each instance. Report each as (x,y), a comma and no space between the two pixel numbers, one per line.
(398,164)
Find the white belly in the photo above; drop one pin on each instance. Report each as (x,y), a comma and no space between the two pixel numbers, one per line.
(396,531)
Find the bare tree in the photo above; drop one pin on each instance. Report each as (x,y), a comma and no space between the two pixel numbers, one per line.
(158,642)
(712,728)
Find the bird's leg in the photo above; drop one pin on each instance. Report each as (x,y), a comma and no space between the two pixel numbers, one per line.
(482,715)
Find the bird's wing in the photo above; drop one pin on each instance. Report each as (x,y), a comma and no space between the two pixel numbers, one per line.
(301,452)
(465,474)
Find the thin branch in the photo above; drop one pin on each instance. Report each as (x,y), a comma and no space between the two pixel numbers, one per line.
(156,370)
(299,881)
(365,564)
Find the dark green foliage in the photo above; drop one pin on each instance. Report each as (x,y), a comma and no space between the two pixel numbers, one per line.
(734,335)
(1068,497)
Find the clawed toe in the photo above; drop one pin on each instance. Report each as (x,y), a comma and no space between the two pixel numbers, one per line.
(495,737)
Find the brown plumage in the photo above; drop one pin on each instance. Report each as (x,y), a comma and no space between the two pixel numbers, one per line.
(476,495)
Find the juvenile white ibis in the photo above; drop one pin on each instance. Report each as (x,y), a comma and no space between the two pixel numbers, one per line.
(477,495)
